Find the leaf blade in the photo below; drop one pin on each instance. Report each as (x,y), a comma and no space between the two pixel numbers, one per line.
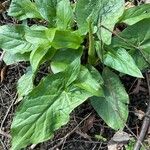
(122,61)
(113,108)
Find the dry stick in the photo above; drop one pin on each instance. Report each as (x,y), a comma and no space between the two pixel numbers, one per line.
(140,50)
(65,137)
(1,59)
(5,134)
(4,147)
(8,110)
(146,122)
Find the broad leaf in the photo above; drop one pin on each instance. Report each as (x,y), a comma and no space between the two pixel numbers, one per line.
(139,60)
(21,39)
(136,14)
(10,59)
(39,35)
(64,14)
(12,39)
(113,108)
(60,62)
(44,111)
(25,83)
(23,9)
(122,61)
(90,80)
(66,39)
(47,9)
(140,38)
(101,12)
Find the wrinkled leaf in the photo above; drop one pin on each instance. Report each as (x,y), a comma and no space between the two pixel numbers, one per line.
(101,12)
(64,14)
(122,61)
(136,14)
(23,9)
(113,108)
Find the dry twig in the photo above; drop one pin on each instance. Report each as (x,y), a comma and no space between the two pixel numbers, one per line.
(146,121)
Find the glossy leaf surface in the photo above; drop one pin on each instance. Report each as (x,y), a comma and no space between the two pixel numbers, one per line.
(101,12)
(121,60)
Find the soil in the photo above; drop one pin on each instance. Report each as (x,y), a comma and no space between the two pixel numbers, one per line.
(83,138)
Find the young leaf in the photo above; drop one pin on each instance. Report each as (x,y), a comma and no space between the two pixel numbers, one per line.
(64,14)
(25,83)
(66,39)
(136,14)
(23,9)
(101,12)
(113,108)
(122,61)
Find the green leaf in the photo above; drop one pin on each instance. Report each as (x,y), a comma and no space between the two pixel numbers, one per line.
(113,108)
(21,39)
(66,39)
(47,9)
(64,14)
(44,111)
(39,35)
(12,39)
(139,60)
(122,61)
(102,12)
(25,83)
(90,80)
(136,14)
(10,59)
(139,38)
(60,62)
(23,9)
(36,57)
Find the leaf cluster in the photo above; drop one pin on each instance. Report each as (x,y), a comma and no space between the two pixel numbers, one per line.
(75,40)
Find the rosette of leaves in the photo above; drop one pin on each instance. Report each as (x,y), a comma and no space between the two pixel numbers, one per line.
(60,41)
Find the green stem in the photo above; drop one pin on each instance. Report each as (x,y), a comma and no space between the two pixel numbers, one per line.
(91,50)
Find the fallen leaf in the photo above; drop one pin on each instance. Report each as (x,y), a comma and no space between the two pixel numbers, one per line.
(88,124)
(121,137)
(112,147)
(139,113)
